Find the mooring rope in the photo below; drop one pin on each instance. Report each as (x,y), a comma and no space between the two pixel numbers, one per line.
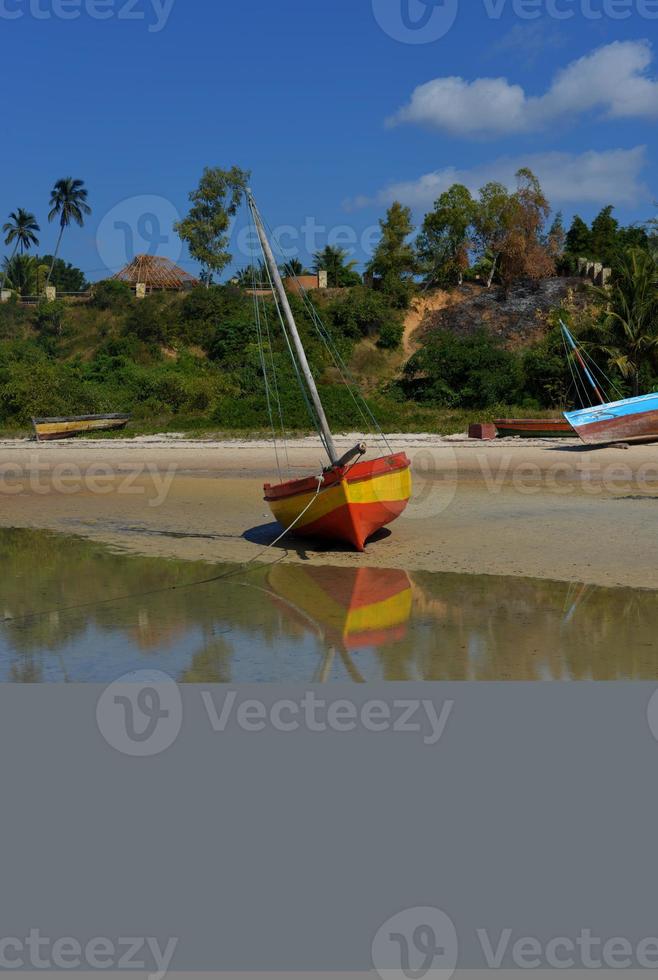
(245,567)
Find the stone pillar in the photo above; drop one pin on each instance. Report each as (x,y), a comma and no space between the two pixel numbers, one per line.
(323,279)
(50,292)
(590,270)
(5,295)
(582,267)
(140,290)
(604,277)
(596,272)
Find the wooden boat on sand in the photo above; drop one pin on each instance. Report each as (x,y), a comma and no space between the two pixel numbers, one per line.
(534,428)
(65,428)
(629,420)
(353,504)
(626,420)
(351,499)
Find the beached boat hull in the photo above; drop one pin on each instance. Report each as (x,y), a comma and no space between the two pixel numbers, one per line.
(534,428)
(354,501)
(631,420)
(65,428)
(352,608)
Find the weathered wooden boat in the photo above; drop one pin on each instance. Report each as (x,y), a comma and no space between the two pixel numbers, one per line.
(351,499)
(349,608)
(48,429)
(626,420)
(629,420)
(534,428)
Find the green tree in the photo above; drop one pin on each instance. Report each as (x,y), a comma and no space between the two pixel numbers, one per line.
(490,223)
(340,271)
(25,274)
(445,237)
(65,276)
(605,242)
(293,267)
(629,331)
(394,260)
(579,239)
(68,202)
(20,231)
(252,275)
(557,236)
(634,236)
(206,228)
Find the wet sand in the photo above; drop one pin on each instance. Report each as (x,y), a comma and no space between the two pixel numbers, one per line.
(541,508)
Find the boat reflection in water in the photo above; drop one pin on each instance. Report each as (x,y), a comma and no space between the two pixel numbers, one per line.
(72,610)
(349,609)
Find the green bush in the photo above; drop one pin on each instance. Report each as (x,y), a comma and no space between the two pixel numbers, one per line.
(469,372)
(112,295)
(390,336)
(50,317)
(362,312)
(151,319)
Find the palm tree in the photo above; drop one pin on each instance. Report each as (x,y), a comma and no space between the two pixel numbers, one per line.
(334,262)
(68,200)
(630,328)
(21,229)
(23,274)
(293,267)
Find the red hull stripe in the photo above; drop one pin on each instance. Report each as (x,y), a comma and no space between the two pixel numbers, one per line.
(351,474)
(358,588)
(355,523)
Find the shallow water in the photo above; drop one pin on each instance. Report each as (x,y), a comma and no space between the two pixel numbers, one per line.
(72,610)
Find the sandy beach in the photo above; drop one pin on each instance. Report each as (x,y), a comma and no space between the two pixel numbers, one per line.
(544,509)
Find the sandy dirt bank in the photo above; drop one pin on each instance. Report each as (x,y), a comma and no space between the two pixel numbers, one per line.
(546,509)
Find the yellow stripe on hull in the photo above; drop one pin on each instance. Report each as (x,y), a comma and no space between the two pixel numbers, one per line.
(380,615)
(389,487)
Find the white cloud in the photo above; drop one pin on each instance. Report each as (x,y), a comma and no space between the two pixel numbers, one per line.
(613,79)
(611,176)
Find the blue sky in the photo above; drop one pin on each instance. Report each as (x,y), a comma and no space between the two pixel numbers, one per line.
(333,113)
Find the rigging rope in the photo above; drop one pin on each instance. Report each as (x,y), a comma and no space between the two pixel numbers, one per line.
(367,416)
(315,422)
(261,351)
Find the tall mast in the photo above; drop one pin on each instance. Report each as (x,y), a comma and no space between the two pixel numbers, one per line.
(325,431)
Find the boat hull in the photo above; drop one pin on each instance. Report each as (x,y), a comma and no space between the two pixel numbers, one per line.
(351,608)
(47,430)
(354,502)
(534,428)
(631,420)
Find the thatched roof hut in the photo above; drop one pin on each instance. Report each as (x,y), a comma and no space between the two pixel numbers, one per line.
(155,272)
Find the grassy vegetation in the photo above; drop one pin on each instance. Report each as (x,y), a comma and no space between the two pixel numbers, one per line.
(190,363)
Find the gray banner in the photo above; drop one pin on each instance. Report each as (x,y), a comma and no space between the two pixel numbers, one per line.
(398,828)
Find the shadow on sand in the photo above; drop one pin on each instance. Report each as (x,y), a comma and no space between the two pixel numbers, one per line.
(266,534)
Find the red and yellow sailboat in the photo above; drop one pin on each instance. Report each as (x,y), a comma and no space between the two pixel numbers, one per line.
(353,498)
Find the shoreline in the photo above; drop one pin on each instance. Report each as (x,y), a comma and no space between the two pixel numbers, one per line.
(547,509)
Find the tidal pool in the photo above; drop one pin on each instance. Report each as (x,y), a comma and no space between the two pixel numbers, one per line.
(75,611)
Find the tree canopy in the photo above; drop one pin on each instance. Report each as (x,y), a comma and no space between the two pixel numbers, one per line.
(206,228)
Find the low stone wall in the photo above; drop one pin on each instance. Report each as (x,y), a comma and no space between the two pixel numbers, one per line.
(596,271)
